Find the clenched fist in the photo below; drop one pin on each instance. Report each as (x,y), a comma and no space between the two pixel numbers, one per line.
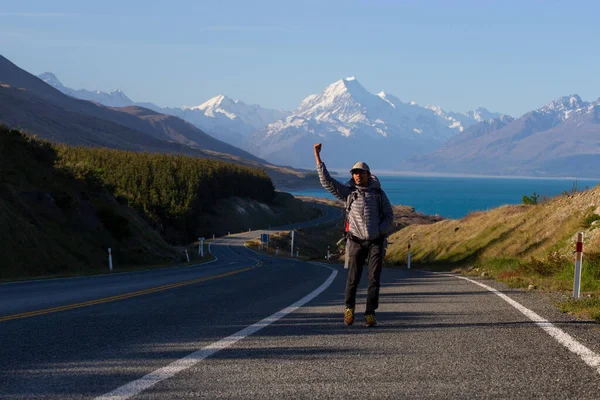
(317,148)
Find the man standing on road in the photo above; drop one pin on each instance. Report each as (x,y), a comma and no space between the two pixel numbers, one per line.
(369,218)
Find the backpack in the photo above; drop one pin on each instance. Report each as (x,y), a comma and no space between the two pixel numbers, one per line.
(350,199)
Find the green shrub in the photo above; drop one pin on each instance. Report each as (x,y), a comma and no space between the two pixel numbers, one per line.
(531,200)
(552,264)
(588,219)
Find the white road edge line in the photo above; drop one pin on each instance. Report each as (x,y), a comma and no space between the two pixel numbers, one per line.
(136,387)
(588,356)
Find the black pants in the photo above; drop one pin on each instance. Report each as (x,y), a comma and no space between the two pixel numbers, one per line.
(358,253)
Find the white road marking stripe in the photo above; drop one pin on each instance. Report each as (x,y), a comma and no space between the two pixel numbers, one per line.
(588,356)
(135,387)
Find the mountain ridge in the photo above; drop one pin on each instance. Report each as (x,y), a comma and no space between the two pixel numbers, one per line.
(561,138)
(28,103)
(357,124)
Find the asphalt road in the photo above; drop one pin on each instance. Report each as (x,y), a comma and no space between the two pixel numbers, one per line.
(251,326)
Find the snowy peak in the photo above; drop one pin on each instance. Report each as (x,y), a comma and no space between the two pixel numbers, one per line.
(566,107)
(222,109)
(116,98)
(462,121)
(344,101)
(51,80)
(393,100)
(118,95)
(347,87)
(565,103)
(217,102)
(482,114)
(343,90)
(220,104)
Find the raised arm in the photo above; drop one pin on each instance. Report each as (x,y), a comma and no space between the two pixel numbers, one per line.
(334,187)
(317,148)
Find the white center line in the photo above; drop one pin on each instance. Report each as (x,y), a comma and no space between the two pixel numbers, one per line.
(135,387)
(588,356)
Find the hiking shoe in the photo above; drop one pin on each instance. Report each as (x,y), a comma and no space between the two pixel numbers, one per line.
(370,320)
(349,316)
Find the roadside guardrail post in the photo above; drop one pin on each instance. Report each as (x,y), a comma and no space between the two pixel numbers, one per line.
(578,261)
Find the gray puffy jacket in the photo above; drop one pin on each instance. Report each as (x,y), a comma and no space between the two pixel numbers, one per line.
(367,222)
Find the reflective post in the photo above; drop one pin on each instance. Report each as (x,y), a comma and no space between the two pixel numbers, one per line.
(578,260)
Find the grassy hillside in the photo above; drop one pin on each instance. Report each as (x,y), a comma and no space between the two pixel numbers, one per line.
(523,245)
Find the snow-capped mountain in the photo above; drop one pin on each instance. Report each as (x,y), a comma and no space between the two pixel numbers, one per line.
(354,124)
(561,138)
(229,120)
(462,121)
(251,114)
(116,98)
(483,114)
(566,107)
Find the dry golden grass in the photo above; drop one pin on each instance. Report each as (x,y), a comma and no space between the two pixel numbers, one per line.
(514,231)
(522,245)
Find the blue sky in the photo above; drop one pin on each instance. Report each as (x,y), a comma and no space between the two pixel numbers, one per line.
(508,56)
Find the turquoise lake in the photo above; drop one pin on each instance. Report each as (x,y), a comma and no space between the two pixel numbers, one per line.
(455,197)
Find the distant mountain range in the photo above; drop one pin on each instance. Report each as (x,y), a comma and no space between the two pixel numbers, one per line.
(354,124)
(28,103)
(231,121)
(345,116)
(559,139)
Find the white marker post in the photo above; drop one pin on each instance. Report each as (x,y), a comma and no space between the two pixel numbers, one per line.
(201,247)
(110,259)
(408,262)
(187,256)
(328,252)
(292,248)
(297,252)
(578,260)
(277,251)
(213,236)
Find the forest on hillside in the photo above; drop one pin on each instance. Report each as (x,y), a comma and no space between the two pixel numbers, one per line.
(172,191)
